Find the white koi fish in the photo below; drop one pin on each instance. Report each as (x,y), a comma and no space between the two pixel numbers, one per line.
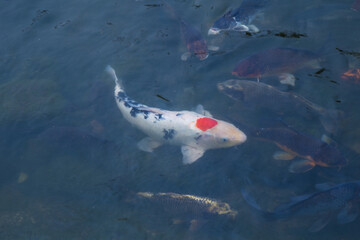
(194,132)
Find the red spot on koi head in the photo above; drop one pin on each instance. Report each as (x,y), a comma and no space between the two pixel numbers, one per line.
(205,123)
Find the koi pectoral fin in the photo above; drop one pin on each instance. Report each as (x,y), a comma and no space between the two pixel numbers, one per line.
(241,27)
(301,166)
(253,28)
(320,224)
(348,214)
(281,155)
(191,154)
(185,56)
(148,144)
(200,109)
(287,78)
(196,224)
(213,48)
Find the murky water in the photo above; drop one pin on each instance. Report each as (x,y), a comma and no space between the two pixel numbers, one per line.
(69,162)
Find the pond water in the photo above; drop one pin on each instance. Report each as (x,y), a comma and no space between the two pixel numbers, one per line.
(70,167)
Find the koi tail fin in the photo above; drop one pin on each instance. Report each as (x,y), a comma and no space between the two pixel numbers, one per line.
(330,120)
(260,214)
(119,86)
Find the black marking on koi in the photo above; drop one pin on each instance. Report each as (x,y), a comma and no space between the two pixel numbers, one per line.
(169,134)
(122,95)
(198,137)
(135,111)
(179,114)
(159,116)
(128,102)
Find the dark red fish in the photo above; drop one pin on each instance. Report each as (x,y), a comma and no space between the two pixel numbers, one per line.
(274,61)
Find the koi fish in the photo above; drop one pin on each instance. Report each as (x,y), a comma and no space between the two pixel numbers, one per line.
(339,199)
(189,204)
(239,19)
(312,151)
(263,95)
(279,62)
(186,208)
(195,132)
(192,37)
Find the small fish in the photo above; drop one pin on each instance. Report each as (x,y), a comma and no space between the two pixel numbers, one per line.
(312,151)
(240,18)
(282,103)
(339,199)
(192,37)
(184,204)
(194,132)
(279,62)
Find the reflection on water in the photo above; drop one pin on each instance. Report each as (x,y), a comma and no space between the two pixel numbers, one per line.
(70,168)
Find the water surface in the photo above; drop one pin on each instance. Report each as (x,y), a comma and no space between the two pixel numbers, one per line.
(69,159)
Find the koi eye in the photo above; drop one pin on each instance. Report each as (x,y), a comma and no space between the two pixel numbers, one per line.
(225,139)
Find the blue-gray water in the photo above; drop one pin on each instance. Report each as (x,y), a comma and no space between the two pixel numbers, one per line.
(68,157)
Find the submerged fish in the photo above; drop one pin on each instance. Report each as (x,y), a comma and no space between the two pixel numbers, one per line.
(194,132)
(312,151)
(265,96)
(239,19)
(356,5)
(189,205)
(279,62)
(339,199)
(192,37)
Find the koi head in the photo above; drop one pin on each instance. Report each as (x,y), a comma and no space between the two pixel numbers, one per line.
(221,208)
(199,48)
(218,134)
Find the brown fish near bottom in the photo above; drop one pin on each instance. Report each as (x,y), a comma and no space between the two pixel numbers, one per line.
(192,205)
(257,94)
(185,207)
